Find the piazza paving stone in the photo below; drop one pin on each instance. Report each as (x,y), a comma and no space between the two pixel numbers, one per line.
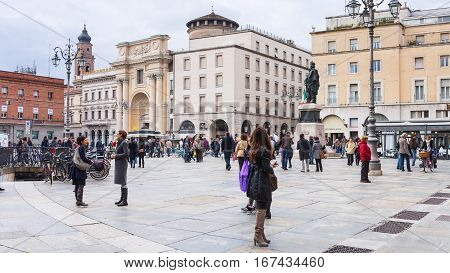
(177,207)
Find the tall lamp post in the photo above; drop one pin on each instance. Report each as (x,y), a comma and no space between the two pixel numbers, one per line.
(68,55)
(368,16)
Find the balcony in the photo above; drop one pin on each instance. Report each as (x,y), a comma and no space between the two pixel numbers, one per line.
(99,122)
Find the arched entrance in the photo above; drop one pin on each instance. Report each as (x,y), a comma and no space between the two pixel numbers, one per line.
(218,128)
(334,128)
(267,127)
(139,112)
(99,135)
(187,127)
(246,127)
(284,129)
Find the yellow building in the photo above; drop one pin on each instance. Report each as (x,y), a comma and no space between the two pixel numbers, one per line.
(412,75)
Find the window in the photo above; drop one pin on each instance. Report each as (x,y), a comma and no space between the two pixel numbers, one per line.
(276,70)
(219,60)
(99,95)
(257,83)
(34,134)
(99,114)
(219,80)
(332,95)
(300,77)
(86,116)
(377,42)
(276,53)
(114,114)
(267,49)
(299,60)
(292,58)
(93,115)
(377,95)
(419,114)
(202,62)
(353,44)
(377,66)
(50,114)
(419,94)
(187,64)
(4,111)
(292,74)
(5,90)
(267,107)
(219,103)
(418,62)
(276,108)
(284,109)
(354,94)
(292,112)
(267,68)
(202,104)
(106,114)
(20,112)
(247,62)
(284,72)
(85,96)
(257,65)
(35,113)
(444,38)
(445,89)
(247,82)
(21,92)
(114,93)
(444,61)
(187,83)
(267,87)
(257,46)
(50,95)
(332,70)
(36,93)
(442,113)
(331,46)
(139,77)
(353,122)
(247,104)
(307,63)
(257,105)
(202,82)
(186,105)
(284,89)
(275,86)
(92,96)
(420,39)
(353,68)
(106,94)
(284,55)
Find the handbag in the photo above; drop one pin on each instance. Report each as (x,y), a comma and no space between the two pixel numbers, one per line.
(141,151)
(243,176)
(273,182)
(79,163)
(322,155)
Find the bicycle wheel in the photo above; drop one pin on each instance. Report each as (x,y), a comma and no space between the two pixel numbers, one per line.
(60,173)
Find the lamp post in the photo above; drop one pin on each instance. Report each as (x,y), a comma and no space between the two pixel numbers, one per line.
(68,55)
(368,16)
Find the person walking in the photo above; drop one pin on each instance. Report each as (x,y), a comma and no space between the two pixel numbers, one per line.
(311,156)
(199,149)
(241,149)
(227,149)
(286,144)
(133,148)
(169,146)
(259,185)
(141,154)
(414,145)
(365,156)
(343,145)
(304,150)
(357,157)
(404,153)
(79,169)
(428,145)
(121,167)
(350,149)
(317,152)
(44,143)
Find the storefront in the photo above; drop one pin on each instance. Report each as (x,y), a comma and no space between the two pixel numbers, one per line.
(334,128)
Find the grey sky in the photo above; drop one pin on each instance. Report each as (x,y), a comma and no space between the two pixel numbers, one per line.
(112,21)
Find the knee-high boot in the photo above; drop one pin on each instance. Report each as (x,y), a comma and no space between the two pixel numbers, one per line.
(80,202)
(124,198)
(259,228)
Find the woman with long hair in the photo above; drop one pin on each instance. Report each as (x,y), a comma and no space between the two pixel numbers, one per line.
(241,150)
(79,170)
(259,186)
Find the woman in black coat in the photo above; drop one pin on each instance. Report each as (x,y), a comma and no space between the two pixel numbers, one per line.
(259,187)
(78,174)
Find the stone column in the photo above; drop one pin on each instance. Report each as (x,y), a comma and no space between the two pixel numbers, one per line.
(159,102)
(166,99)
(119,124)
(152,102)
(126,105)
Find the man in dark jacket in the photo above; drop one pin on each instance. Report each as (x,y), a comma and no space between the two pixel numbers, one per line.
(365,156)
(286,144)
(227,149)
(311,157)
(304,150)
(414,145)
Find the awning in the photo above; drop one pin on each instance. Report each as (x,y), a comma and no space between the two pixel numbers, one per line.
(443,126)
(334,124)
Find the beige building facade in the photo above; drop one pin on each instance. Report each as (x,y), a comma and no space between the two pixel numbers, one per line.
(412,76)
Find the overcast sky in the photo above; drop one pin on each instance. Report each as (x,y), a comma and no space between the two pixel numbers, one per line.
(109,22)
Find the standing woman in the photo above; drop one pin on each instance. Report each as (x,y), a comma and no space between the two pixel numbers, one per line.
(241,147)
(141,154)
(79,174)
(259,186)
(317,150)
(133,148)
(350,149)
(121,167)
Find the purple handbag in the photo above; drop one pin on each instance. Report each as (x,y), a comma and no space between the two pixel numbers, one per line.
(243,176)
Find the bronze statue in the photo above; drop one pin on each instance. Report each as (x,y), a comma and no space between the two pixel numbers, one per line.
(312,84)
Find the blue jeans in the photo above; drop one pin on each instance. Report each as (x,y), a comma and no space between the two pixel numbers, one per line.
(414,156)
(404,157)
(284,159)
(398,161)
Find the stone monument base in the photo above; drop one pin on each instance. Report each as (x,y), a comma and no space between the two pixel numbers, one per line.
(310,123)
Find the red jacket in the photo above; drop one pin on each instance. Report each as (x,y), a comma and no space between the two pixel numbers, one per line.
(364,152)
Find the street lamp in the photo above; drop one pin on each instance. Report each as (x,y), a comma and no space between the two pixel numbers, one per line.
(368,17)
(69,55)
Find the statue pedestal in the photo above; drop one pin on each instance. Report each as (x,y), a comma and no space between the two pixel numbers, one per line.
(310,123)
